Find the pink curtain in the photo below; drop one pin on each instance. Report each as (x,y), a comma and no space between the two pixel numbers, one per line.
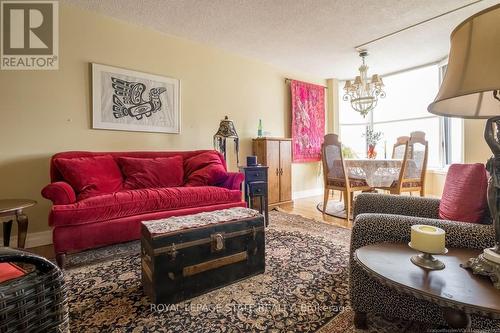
(308,121)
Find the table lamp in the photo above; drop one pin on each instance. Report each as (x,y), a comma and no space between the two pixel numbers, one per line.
(471,89)
(226,130)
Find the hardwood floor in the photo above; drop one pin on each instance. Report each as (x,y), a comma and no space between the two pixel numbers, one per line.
(305,207)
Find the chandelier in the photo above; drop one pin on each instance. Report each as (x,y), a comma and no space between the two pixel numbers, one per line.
(363,93)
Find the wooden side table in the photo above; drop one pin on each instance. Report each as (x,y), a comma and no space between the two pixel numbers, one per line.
(256,187)
(11,208)
(456,290)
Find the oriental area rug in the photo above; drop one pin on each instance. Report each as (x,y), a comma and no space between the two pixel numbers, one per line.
(304,289)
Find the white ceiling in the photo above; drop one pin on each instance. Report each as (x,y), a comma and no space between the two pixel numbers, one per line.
(313,37)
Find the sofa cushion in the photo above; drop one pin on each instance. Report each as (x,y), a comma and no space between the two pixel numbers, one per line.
(152,172)
(141,201)
(205,169)
(464,194)
(91,176)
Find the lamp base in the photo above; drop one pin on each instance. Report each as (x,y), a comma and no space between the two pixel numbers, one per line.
(427,261)
(483,266)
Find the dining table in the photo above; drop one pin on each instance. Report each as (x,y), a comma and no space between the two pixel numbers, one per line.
(376,172)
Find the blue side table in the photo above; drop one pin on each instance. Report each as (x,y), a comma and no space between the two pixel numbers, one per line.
(256,187)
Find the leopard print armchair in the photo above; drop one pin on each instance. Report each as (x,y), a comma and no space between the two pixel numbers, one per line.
(382,218)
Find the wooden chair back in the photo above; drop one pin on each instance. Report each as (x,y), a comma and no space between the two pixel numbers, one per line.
(416,151)
(331,151)
(420,152)
(398,150)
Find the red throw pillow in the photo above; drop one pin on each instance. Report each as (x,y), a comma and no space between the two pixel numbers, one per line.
(205,169)
(464,194)
(91,176)
(152,172)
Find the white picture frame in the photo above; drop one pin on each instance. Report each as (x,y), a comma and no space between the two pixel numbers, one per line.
(127,100)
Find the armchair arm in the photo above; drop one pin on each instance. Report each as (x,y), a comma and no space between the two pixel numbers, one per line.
(12,255)
(60,193)
(379,228)
(397,205)
(233,180)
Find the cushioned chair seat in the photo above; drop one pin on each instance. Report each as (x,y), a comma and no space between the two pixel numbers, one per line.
(352,182)
(135,202)
(408,184)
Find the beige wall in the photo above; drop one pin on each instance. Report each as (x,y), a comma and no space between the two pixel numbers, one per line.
(475,151)
(44,112)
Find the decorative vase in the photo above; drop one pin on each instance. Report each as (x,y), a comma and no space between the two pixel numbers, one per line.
(371,152)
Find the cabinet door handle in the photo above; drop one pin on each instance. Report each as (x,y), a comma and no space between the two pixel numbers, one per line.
(277,172)
(281,171)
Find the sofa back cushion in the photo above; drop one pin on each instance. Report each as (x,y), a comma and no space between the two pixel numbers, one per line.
(55,174)
(464,195)
(152,172)
(91,176)
(205,169)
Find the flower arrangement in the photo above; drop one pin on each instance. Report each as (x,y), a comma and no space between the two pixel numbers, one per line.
(372,138)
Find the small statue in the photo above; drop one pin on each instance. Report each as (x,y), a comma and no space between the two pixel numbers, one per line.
(480,264)
(492,137)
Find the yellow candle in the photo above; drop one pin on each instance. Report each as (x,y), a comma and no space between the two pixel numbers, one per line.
(428,239)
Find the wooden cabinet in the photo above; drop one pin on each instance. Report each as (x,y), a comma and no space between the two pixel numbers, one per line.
(276,153)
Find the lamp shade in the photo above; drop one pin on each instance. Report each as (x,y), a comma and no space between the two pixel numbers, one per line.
(471,86)
(226,129)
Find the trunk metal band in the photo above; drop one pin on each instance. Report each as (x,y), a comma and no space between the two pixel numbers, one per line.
(213,264)
(208,240)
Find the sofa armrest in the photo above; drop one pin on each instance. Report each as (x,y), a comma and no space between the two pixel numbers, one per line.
(60,193)
(396,204)
(378,228)
(233,181)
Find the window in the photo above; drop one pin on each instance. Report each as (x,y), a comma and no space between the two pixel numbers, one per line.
(403,111)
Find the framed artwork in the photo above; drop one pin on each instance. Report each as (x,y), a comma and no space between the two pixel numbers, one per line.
(308,121)
(128,100)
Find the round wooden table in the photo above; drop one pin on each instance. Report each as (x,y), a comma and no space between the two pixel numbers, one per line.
(455,289)
(14,207)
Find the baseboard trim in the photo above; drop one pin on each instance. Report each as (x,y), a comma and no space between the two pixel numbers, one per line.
(307,193)
(33,239)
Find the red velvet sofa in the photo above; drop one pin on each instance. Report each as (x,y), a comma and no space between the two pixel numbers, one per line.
(81,223)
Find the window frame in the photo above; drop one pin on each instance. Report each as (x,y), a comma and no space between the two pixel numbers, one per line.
(445,123)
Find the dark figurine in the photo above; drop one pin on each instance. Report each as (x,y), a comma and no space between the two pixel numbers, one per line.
(492,137)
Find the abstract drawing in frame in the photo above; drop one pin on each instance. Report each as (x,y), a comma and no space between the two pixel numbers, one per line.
(134,101)
(308,121)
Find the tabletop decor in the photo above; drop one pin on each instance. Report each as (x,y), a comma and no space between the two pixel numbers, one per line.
(372,138)
(308,121)
(429,240)
(226,131)
(134,101)
(363,93)
(471,89)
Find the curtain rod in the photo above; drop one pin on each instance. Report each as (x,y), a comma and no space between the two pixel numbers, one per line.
(359,47)
(287,80)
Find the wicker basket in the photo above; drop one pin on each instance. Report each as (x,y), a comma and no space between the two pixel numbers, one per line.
(35,302)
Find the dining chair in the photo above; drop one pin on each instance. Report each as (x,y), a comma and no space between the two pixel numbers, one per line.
(398,150)
(336,176)
(414,166)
